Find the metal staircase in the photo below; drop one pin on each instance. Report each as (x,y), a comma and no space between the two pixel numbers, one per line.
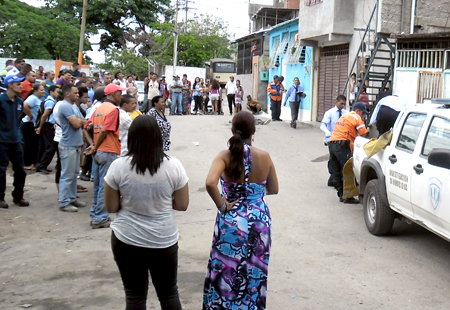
(374,62)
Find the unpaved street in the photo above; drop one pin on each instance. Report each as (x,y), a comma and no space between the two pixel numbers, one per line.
(322,255)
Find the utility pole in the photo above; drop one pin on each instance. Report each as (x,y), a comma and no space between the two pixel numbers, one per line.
(186,9)
(185,19)
(82,30)
(175,44)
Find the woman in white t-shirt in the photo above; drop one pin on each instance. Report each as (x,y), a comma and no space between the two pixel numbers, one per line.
(119,79)
(145,190)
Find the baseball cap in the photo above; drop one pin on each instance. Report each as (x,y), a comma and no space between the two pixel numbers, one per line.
(360,106)
(111,88)
(13,78)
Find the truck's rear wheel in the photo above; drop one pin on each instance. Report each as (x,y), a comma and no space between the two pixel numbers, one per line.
(378,216)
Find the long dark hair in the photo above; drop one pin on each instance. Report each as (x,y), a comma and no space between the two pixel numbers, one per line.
(195,82)
(215,84)
(145,153)
(243,126)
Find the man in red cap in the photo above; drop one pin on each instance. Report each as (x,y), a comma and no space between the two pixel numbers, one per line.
(106,149)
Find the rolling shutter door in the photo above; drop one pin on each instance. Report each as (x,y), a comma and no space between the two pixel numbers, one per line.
(333,73)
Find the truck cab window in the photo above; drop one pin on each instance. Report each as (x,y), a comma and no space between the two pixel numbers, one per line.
(410,132)
(438,135)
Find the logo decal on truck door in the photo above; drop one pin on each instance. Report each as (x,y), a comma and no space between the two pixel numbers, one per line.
(435,193)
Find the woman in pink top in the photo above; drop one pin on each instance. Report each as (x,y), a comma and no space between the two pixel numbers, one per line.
(215,86)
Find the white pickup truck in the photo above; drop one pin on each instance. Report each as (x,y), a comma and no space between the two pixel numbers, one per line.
(410,178)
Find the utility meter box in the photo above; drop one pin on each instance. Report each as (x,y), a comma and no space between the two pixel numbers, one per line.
(264,76)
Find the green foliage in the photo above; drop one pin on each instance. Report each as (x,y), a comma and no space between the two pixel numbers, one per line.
(122,21)
(29,32)
(125,61)
(203,38)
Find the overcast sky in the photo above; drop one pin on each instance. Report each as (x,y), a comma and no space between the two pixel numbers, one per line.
(233,12)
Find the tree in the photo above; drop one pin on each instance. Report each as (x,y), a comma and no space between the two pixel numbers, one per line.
(121,20)
(28,32)
(205,37)
(125,61)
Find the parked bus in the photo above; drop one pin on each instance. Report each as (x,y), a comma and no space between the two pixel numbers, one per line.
(220,69)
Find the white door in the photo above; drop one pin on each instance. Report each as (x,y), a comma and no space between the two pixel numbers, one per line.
(430,194)
(399,165)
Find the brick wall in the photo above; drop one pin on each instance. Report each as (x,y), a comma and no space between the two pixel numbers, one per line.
(292,4)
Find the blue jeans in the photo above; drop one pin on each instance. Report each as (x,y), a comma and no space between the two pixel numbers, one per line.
(70,163)
(176,97)
(100,165)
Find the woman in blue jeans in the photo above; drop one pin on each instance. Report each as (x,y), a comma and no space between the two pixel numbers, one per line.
(145,190)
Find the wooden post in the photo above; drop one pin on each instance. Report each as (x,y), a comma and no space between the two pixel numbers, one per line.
(82,30)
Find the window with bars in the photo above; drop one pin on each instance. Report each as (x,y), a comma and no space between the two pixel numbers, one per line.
(246,51)
(274,57)
(284,44)
(296,53)
(430,59)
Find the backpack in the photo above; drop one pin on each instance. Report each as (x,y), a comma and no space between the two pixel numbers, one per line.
(41,112)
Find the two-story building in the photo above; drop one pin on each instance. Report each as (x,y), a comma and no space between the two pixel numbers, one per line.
(291,60)
(354,36)
(253,50)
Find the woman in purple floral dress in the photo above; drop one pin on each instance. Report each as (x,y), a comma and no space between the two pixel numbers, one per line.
(237,271)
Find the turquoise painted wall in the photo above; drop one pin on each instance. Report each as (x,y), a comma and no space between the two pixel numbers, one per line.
(292,71)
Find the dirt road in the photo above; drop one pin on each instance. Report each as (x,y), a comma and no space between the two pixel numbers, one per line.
(322,255)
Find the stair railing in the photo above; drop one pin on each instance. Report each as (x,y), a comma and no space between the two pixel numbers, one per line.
(361,46)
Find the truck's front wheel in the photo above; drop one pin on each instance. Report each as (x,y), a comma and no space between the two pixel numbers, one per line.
(378,216)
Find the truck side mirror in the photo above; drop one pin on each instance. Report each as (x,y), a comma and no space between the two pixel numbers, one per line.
(440,158)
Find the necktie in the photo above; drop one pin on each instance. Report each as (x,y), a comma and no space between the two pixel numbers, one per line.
(340,113)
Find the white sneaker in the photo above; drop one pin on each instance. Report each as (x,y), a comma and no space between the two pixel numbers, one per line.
(267,122)
(68,208)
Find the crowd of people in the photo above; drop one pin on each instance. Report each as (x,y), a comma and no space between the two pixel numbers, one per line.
(206,97)
(95,128)
(83,120)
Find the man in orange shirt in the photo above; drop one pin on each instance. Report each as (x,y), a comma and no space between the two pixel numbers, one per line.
(275,89)
(27,85)
(341,145)
(105,121)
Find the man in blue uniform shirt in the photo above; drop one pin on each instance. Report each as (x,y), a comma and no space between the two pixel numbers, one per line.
(327,126)
(295,95)
(11,107)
